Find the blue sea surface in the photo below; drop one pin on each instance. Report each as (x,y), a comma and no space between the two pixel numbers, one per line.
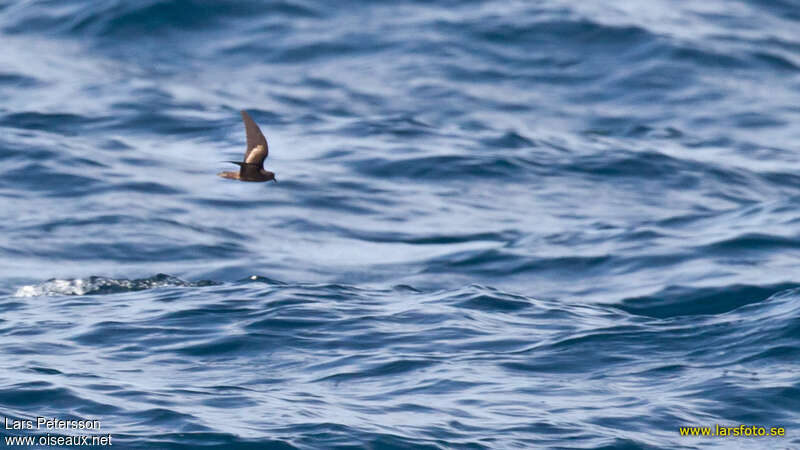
(497,224)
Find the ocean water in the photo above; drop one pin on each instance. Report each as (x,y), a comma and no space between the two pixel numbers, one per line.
(498,224)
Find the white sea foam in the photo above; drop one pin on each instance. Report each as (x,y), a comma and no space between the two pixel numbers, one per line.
(97,285)
(55,287)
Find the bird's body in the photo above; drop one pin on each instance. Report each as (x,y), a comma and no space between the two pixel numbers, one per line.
(252,168)
(249,172)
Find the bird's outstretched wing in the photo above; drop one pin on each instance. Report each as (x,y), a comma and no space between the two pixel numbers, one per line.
(257,148)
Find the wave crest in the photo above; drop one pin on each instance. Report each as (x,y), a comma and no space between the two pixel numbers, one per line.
(103,285)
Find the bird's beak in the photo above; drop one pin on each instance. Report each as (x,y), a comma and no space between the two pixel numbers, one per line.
(274,179)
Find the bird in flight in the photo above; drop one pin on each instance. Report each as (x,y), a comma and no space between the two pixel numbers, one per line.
(252,168)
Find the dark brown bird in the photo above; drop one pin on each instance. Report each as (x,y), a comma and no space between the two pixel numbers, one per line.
(252,168)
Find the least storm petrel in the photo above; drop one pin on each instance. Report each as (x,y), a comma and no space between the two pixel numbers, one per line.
(252,168)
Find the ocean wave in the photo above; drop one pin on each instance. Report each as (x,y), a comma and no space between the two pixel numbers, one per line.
(103,285)
(110,18)
(370,346)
